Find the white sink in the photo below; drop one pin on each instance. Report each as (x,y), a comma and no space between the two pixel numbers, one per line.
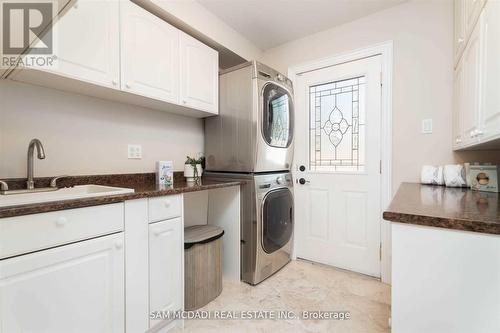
(76,192)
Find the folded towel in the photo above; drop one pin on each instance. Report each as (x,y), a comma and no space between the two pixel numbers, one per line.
(431,174)
(454,175)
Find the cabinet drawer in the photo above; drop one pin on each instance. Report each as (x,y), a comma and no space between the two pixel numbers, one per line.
(29,233)
(166,207)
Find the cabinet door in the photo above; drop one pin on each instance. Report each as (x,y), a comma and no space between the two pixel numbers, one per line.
(471,67)
(149,54)
(458,106)
(199,75)
(472,11)
(166,260)
(87,43)
(72,288)
(490,71)
(459,28)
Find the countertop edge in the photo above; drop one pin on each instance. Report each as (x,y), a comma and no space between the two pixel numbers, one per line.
(46,207)
(477,226)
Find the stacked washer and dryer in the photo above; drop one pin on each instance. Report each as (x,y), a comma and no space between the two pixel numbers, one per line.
(252,140)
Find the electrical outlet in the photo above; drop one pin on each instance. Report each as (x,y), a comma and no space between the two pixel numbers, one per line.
(427,126)
(134,152)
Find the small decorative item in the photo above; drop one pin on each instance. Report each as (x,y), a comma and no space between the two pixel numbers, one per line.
(193,169)
(484,178)
(165,173)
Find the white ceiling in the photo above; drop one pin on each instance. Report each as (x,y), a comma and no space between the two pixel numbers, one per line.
(269,23)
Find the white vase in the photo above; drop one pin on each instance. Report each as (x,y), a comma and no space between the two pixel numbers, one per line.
(189,172)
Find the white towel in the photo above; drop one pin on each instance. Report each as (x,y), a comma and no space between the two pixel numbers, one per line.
(432,174)
(454,175)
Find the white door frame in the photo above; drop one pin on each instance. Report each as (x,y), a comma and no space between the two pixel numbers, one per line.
(384,49)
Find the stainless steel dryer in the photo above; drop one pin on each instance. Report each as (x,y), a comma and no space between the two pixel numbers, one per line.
(254,129)
(267,219)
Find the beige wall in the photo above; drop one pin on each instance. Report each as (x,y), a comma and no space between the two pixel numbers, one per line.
(422,32)
(86,135)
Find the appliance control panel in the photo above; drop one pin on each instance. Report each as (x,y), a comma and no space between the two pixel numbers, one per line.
(265,183)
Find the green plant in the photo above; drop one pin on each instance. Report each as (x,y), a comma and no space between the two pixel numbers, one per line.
(193,162)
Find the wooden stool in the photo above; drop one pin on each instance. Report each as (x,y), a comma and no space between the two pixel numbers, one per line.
(202,265)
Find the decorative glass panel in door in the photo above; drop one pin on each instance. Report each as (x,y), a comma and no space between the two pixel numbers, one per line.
(337,126)
(277,116)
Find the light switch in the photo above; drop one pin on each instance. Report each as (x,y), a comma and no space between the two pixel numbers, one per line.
(134,151)
(427,126)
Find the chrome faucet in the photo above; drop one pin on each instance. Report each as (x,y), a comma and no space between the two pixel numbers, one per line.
(30,183)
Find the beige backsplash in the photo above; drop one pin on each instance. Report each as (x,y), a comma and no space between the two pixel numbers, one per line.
(85,135)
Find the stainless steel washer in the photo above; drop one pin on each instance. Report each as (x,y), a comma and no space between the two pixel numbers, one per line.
(254,129)
(267,222)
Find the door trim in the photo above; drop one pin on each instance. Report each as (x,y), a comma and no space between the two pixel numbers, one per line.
(385,50)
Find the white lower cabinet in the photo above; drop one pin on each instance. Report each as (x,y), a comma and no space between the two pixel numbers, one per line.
(166,266)
(444,281)
(71,288)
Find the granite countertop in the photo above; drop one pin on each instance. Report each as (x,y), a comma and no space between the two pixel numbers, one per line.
(144,186)
(445,207)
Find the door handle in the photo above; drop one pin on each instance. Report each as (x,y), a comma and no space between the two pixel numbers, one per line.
(302,181)
(302,168)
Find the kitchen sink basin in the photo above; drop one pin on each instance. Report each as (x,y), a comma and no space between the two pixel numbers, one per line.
(76,192)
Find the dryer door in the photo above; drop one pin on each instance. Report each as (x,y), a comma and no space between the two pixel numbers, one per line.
(277,116)
(277,219)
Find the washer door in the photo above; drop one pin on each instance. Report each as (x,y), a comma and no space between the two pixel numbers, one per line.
(277,116)
(277,219)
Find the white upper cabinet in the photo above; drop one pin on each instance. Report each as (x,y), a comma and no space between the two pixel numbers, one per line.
(458,106)
(466,16)
(87,44)
(490,72)
(459,29)
(199,75)
(144,60)
(150,54)
(470,64)
(472,10)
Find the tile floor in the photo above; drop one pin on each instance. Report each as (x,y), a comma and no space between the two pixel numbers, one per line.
(302,286)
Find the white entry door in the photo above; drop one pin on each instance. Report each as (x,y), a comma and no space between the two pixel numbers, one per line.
(337,165)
